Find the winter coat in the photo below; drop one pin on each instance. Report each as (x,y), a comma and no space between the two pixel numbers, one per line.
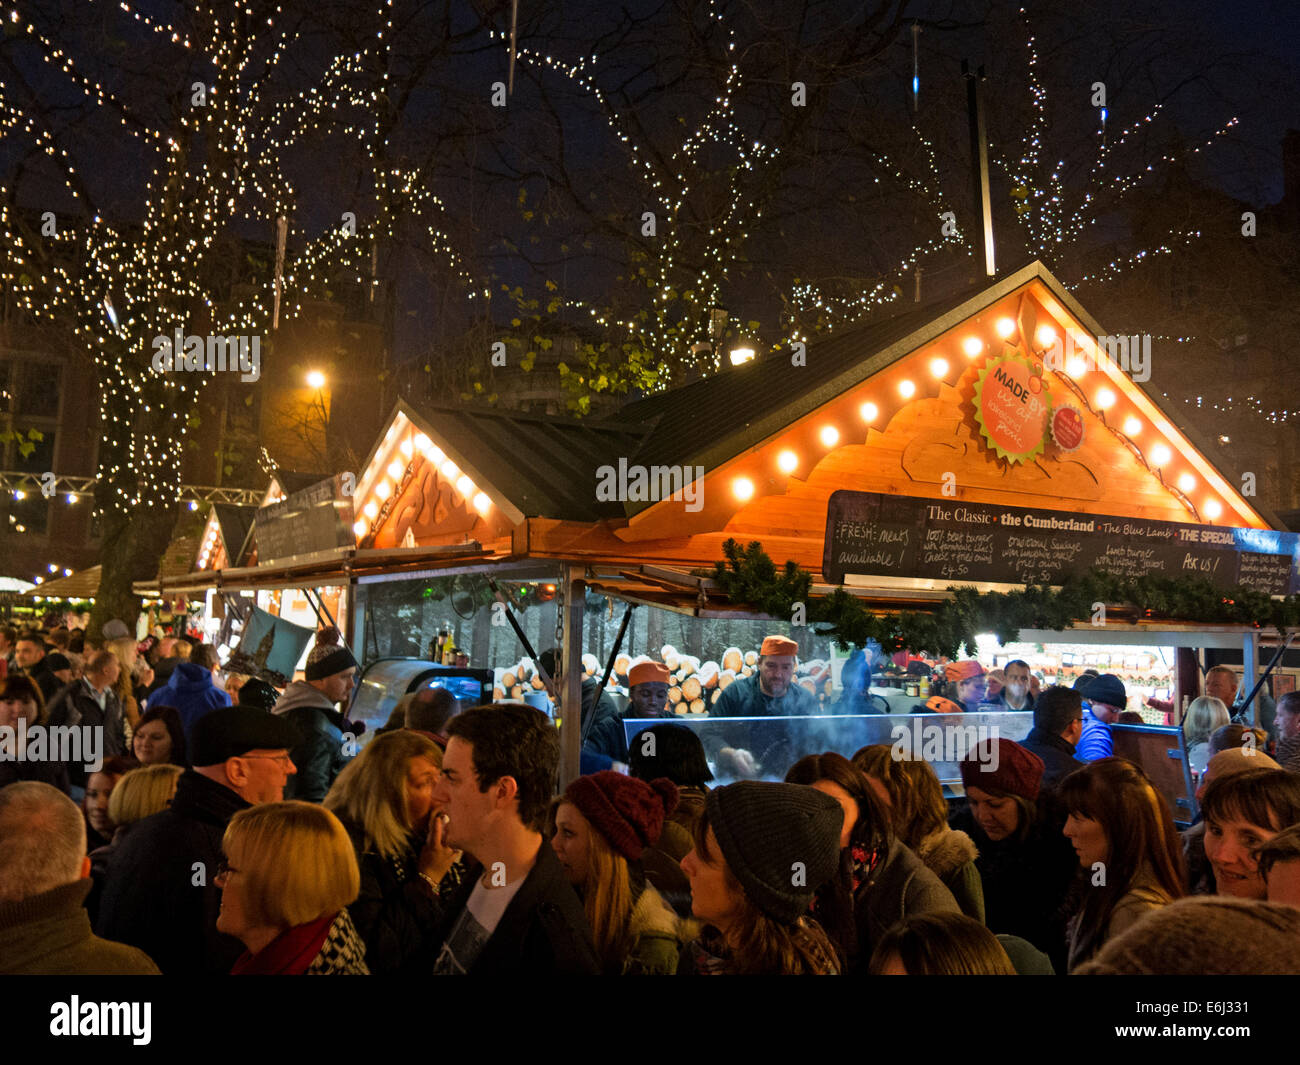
(191,691)
(320,757)
(1143,896)
(606,735)
(744,698)
(75,706)
(543,931)
(950,855)
(53,773)
(1026,882)
(343,953)
(49,935)
(395,915)
(159,893)
(900,886)
(49,684)
(657,937)
(1095,741)
(1057,755)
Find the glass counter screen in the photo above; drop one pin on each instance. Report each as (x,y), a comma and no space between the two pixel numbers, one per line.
(467,690)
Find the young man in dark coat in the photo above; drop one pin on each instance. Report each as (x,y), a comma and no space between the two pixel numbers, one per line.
(92,702)
(516,913)
(1058,723)
(309,705)
(160,893)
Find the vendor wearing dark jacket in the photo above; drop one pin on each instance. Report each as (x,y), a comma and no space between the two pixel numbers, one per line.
(160,893)
(1026,865)
(1058,723)
(516,913)
(770,692)
(309,705)
(605,743)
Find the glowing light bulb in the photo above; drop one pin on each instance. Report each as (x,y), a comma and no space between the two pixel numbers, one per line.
(1132,426)
(830,436)
(906,389)
(395,470)
(1105,399)
(371,510)
(464,485)
(1160,455)
(939,368)
(1213,509)
(1045,334)
(423,443)
(869,412)
(407,447)
(1004,327)
(359,528)
(742,488)
(316,379)
(972,346)
(1186,482)
(450,470)
(1076,366)
(787,462)
(383,490)
(482,502)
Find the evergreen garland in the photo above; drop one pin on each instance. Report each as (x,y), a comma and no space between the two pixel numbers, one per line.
(748,575)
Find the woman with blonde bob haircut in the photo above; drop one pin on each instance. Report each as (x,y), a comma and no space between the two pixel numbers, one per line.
(288,876)
(384,798)
(1205,716)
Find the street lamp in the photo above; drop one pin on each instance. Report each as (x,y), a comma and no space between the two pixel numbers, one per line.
(316,379)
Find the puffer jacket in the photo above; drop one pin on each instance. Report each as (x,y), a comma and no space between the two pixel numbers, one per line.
(950,855)
(657,937)
(320,757)
(190,690)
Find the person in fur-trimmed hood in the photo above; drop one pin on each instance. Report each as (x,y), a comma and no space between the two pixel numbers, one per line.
(603,825)
(919,815)
(309,704)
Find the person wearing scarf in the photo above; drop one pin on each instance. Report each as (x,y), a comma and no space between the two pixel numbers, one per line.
(288,876)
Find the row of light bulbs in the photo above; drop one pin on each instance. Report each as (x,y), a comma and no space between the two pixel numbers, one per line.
(787,460)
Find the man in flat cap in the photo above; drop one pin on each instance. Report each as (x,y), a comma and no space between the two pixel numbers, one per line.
(159,891)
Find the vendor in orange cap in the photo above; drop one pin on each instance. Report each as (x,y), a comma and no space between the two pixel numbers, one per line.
(970,685)
(647,688)
(771,691)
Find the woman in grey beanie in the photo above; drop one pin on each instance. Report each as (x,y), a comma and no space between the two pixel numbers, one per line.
(761,852)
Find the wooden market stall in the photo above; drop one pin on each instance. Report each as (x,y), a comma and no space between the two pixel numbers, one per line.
(994,406)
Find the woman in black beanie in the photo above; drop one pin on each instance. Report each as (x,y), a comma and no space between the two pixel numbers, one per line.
(761,850)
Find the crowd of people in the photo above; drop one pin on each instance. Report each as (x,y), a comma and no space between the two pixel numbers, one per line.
(251,836)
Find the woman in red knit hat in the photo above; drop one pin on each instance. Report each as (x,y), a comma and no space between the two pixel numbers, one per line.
(603,824)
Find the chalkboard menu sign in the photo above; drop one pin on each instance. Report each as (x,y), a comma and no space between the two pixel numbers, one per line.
(902,536)
(319,518)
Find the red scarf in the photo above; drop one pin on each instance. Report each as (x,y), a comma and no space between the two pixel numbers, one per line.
(289,954)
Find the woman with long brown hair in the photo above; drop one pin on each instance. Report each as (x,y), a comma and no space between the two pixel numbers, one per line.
(880,881)
(919,815)
(1132,860)
(761,850)
(603,825)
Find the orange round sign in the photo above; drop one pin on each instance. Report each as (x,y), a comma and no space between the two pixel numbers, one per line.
(1011,406)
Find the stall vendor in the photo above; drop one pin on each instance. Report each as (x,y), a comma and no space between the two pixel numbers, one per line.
(647,687)
(771,691)
(605,747)
(971,686)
